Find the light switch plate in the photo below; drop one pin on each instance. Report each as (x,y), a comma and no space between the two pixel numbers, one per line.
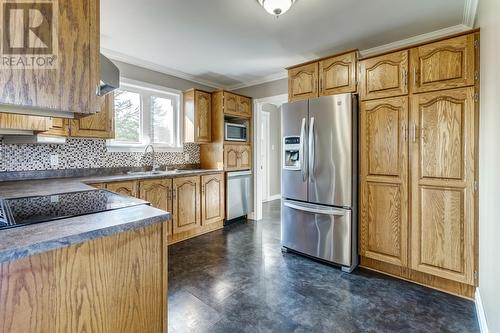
(186,157)
(54,161)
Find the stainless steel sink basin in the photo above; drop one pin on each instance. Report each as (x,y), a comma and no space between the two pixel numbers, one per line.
(145,173)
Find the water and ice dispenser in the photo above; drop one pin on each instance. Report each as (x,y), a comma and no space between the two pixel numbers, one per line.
(292,151)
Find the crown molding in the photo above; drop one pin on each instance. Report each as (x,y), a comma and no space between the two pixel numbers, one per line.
(470,11)
(268,78)
(415,40)
(118,56)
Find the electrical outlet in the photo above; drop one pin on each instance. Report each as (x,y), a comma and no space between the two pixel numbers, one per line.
(186,157)
(54,161)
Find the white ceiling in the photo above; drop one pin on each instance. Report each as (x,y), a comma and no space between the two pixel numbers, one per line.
(231,43)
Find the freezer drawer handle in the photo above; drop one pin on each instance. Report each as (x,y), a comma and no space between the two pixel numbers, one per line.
(335,212)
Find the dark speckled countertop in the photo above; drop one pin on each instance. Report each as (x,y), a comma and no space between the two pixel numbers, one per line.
(32,239)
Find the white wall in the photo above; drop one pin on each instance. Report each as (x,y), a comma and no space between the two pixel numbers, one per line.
(274,154)
(489,162)
(273,88)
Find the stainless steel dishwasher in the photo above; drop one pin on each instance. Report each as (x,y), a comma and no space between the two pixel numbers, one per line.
(239,194)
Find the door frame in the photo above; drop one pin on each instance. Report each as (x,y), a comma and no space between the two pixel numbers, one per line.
(266,190)
(277,100)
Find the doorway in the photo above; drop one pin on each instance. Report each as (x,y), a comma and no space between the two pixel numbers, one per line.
(264,154)
(267,154)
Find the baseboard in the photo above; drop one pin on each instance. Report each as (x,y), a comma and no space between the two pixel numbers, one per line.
(481,316)
(272,198)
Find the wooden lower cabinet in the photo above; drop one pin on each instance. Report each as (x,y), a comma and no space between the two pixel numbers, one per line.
(129,188)
(212,199)
(186,204)
(158,192)
(111,284)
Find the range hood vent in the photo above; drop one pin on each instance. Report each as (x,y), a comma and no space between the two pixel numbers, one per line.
(28,137)
(110,76)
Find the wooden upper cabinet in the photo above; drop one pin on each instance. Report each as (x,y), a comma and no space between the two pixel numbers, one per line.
(99,125)
(11,121)
(236,105)
(337,75)
(442,184)
(186,204)
(158,192)
(197,116)
(303,82)
(71,85)
(384,180)
(443,65)
(384,76)
(128,188)
(212,198)
(245,106)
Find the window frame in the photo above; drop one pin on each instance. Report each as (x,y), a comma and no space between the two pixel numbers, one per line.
(149,90)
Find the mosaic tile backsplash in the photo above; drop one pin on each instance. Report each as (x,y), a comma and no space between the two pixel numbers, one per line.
(86,153)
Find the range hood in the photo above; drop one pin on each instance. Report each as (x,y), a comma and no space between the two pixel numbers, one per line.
(110,76)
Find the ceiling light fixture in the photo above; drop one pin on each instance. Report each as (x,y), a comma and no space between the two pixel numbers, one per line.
(276,7)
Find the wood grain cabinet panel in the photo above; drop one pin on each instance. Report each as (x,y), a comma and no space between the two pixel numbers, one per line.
(245,157)
(384,180)
(231,104)
(158,192)
(99,125)
(71,85)
(197,116)
(231,157)
(245,106)
(384,76)
(129,188)
(186,204)
(303,82)
(13,121)
(337,75)
(443,65)
(212,199)
(111,284)
(60,127)
(442,184)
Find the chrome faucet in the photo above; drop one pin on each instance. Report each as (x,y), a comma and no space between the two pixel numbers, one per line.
(154,166)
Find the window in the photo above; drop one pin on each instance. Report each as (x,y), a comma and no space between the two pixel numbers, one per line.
(146,114)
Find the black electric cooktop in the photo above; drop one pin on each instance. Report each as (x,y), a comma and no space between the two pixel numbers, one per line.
(17,212)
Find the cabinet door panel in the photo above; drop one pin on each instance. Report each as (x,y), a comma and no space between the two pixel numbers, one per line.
(443,65)
(159,194)
(59,127)
(202,110)
(384,76)
(99,125)
(245,106)
(384,180)
(231,105)
(442,184)
(245,157)
(337,75)
(303,82)
(186,202)
(231,157)
(128,188)
(212,192)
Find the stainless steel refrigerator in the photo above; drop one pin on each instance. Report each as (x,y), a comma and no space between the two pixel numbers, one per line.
(319,179)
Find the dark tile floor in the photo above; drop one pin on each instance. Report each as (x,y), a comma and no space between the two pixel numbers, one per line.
(237,280)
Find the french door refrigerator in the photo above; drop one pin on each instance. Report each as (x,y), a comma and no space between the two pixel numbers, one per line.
(319,179)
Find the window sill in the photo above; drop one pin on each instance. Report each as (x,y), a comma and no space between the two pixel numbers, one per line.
(117,148)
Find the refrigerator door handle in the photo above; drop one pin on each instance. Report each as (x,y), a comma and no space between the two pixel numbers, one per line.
(303,167)
(328,211)
(312,147)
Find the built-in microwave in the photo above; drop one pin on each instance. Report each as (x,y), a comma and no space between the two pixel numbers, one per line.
(235,132)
